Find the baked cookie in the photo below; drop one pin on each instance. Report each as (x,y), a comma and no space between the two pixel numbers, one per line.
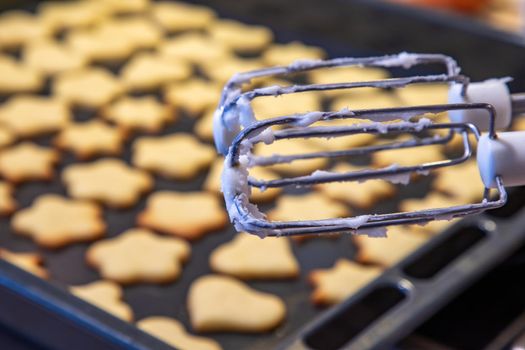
(365,98)
(147,71)
(241,308)
(311,206)
(19,27)
(177,156)
(250,257)
(239,36)
(347,75)
(213,182)
(30,262)
(49,57)
(139,113)
(265,107)
(431,201)
(334,285)
(226,68)
(189,215)
(204,126)
(343,142)
(284,54)
(387,251)
(96,45)
(194,95)
(409,156)
(18,77)
(28,115)
(90,87)
(54,221)
(461,181)
(358,194)
(175,16)
(91,139)
(139,255)
(109,181)
(195,48)
(119,7)
(27,161)
(140,32)
(60,15)
(7,201)
(292,147)
(105,295)
(172,332)
(423,94)
(7,137)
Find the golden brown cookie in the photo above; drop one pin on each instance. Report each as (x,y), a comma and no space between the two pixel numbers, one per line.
(225,69)
(109,181)
(148,71)
(60,15)
(54,221)
(195,48)
(177,156)
(90,139)
(387,251)
(335,284)
(461,181)
(430,201)
(347,75)
(343,142)
(139,32)
(20,27)
(358,194)
(204,126)
(172,332)
(423,94)
(139,255)
(28,115)
(7,202)
(175,16)
(105,295)
(277,106)
(293,147)
(96,45)
(365,98)
(27,161)
(7,137)
(139,113)
(31,262)
(213,182)
(50,57)
(241,308)
(311,206)
(119,7)
(284,54)
(250,257)
(239,36)
(90,87)
(194,95)
(409,156)
(190,215)
(18,77)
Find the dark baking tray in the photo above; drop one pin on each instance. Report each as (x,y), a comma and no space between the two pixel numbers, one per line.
(342,28)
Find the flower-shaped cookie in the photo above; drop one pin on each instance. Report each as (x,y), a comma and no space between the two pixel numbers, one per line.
(172,332)
(178,156)
(224,304)
(139,255)
(34,115)
(7,202)
(110,181)
(53,221)
(27,161)
(17,77)
(106,295)
(186,214)
(335,284)
(90,139)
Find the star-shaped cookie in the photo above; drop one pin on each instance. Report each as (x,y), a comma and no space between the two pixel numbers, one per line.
(7,202)
(18,77)
(345,278)
(110,181)
(90,139)
(185,214)
(106,295)
(139,255)
(54,221)
(31,262)
(178,156)
(27,161)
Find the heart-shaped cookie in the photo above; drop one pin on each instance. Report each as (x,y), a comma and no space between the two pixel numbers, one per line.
(224,304)
(249,257)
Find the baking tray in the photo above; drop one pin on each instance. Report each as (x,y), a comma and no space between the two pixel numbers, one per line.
(342,28)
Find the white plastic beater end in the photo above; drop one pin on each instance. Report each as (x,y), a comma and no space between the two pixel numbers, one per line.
(504,157)
(494,92)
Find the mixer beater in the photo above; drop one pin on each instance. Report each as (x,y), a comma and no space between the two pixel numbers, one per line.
(479,109)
